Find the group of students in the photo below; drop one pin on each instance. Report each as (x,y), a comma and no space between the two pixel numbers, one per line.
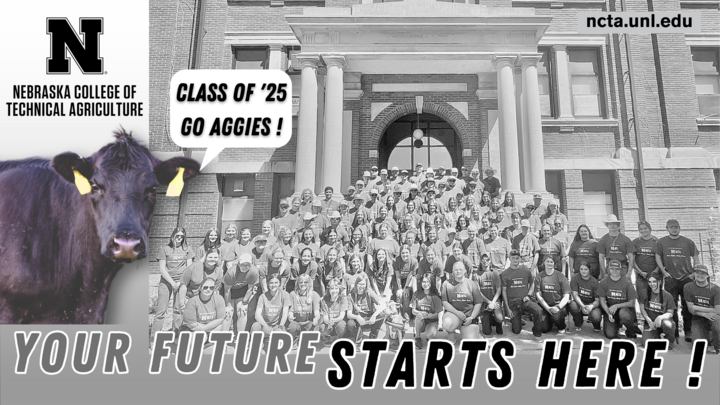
(460,258)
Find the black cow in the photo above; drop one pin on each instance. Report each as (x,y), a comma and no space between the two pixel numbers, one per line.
(60,250)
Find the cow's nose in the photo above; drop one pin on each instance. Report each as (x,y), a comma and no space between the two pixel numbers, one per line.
(124,247)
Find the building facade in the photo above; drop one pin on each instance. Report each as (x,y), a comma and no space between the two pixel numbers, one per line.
(507,84)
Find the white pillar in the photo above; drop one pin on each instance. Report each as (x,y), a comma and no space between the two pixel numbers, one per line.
(533,137)
(563,82)
(321,77)
(307,124)
(517,73)
(332,146)
(509,153)
(275,57)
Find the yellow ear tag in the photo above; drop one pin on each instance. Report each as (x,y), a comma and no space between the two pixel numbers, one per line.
(176,185)
(82,184)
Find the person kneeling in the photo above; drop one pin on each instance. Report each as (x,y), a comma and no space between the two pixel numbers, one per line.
(617,299)
(304,312)
(426,307)
(703,299)
(272,308)
(517,291)
(491,312)
(553,294)
(365,310)
(461,299)
(206,311)
(657,308)
(333,308)
(585,301)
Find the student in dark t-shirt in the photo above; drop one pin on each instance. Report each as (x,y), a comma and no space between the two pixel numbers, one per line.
(617,299)
(616,246)
(703,300)
(426,307)
(584,248)
(657,307)
(585,300)
(491,311)
(517,290)
(461,299)
(645,249)
(240,282)
(552,290)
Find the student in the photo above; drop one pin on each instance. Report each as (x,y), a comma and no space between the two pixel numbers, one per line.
(552,290)
(193,276)
(272,309)
(585,301)
(426,307)
(206,311)
(431,264)
(461,299)
(491,311)
(675,256)
(616,246)
(657,307)
(703,300)
(240,283)
(498,248)
(528,246)
(645,250)
(333,308)
(305,265)
(405,270)
(617,299)
(517,291)
(364,311)
(304,313)
(584,248)
(552,248)
(212,240)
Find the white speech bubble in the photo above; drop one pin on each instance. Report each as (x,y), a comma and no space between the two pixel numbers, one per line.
(218,109)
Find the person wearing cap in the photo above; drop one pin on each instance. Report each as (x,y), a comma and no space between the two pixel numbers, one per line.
(328,204)
(283,219)
(491,183)
(335,225)
(429,174)
(366,181)
(553,214)
(393,175)
(403,181)
(360,188)
(645,250)
(551,247)
(320,219)
(373,176)
(240,282)
(399,206)
(384,218)
(383,184)
(528,246)
(538,208)
(584,248)
(703,301)
(535,224)
(614,245)
(414,196)
(676,256)
(518,296)
(498,248)
(552,291)
(260,253)
(206,311)
(373,204)
(657,308)
(617,300)
(348,196)
(474,248)
(466,177)
(306,199)
(585,301)
(453,187)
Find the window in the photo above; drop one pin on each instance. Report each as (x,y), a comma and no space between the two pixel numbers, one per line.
(599,196)
(238,200)
(543,71)
(554,187)
(585,83)
(433,153)
(250,58)
(707,81)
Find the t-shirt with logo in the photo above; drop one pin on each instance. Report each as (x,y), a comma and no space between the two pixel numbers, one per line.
(474,248)
(585,251)
(616,248)
(706,297)
(564,239)
(586,289)
(489,283)
(435,268)
(553,248)
(238,281)
(304,306)
(616,292)
(517,282)
(427,303)
(552,287)
(176,259)
(363,305)
(194,275)
(676,255)
(462,295)
(499,250)
(333,308)
(270,269)
(527,245)
(450,262)
(232,250)
(645,253)
(271,307)
(407,268)
(654,307)
(204,312)
(438,246)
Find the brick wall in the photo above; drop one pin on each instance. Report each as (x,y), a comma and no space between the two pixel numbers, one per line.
(572,198)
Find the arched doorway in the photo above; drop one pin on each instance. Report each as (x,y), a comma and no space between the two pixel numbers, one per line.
(441,145)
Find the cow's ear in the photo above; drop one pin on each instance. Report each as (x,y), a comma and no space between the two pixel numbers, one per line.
(65,163)
(167,170)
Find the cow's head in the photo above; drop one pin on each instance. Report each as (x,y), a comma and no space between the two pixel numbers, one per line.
(124,177)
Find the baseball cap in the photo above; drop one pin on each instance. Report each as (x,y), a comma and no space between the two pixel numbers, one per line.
(701,268)
(351,188)
(473,183)
(308,216)
(260,238)
(403,171)
(442,183)
(335,214)
(394,169)
(451,178)
(360,182)
(344,202)
(397,189)
(245,258)
(374,168)
(514,252)
(431,190)
(316,203)
(454,170)
(366,173)
(358,197)
(672,222)
(553,202)
(615,263)
(429,171)
(537,195)
(383,171)
(374,191)
(525,223)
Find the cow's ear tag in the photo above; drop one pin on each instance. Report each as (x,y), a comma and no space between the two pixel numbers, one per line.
(82,184)
(176,185)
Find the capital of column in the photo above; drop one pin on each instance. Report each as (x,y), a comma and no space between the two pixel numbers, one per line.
(502,60)
(311,61)
(275,47)
(559,47)
(526,60)
(335,61)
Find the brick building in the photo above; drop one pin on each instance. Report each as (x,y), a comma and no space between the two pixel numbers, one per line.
(503,83)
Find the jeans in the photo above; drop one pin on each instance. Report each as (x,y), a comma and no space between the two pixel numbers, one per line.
(595,316)
(703,328)
(667,327)
(165,292)
(528,307)
(623,316)
(337,330)
(354,330)
(295,328)
(490,318)
(675,288)
(549,320)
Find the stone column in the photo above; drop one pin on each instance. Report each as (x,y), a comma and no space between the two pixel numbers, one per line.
(517,72)
(332,146)
(307,124)
(507,118)
(275,57)
(532,135)
(563,82)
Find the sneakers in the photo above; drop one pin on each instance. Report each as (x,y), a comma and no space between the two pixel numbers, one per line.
(499,329)
(538,339)
(418,344)
(562,331)
(688,337)
(578,328)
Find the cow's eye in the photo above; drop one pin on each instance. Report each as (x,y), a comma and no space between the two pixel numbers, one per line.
(95,187)
(151,190)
